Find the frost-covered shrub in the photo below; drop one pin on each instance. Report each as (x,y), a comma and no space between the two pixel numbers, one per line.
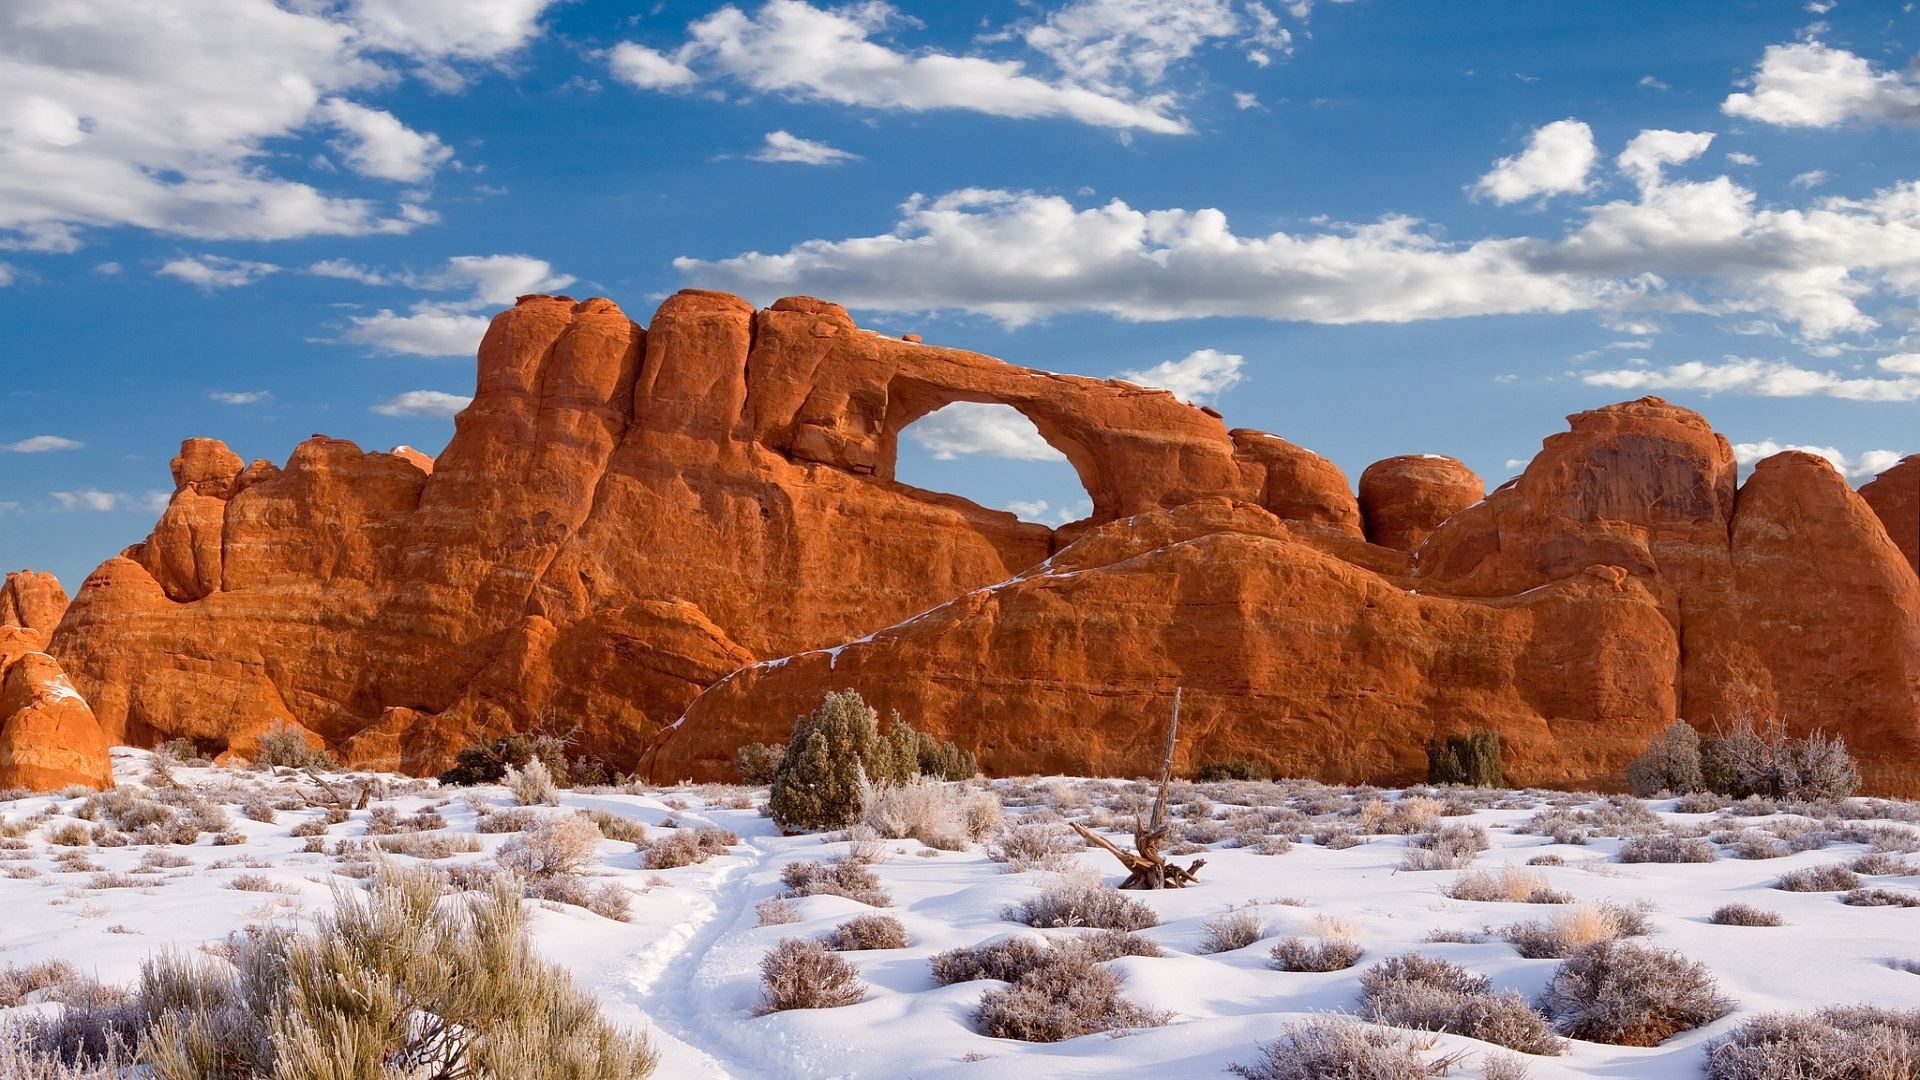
(1433,994)
(1877,863)
(802,974)
(687,846)
(1833,878)
(532,784)
(615,827)
(1033,845)
(1005,960)
(938,814)
(1083,901)
(1333,1047)
(1758,757)
(1744,915)
(868,932)
(837,877)
(1671,763)
(1854,1042)
(1631,995)
(1666,848)
(1510,884)
(606,899)
(755,763)
(1448,847)
(556,845)
(1234,930)
(1067,993)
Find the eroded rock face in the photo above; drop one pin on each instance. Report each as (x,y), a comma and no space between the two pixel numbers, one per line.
(1403,499)
(670,540)
(32,599)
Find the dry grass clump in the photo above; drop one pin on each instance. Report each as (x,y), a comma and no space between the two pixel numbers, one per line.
(256,883)
(1582,924)
(938,814)
(514,819)
(686,847)
(1549,859)
(1034,845)
(556,845)
(1744,915)
(1406,815)
(802,974)
(1433,994)
(1509,884)
(1337,837)
(1331,1047)
(1449,847)
(1234,930)
(835,877)
(776,911)
(1853,1042)
(1083,901)
(1631,995)
(1618,815)
(1065,993)
(50,980)
(607,899)
(1833,878)
(1666,848)
(425,845)
(70,834)
(1880,898)
(864,932)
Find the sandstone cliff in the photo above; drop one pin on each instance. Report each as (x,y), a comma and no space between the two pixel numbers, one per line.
(49,738)
(672,539)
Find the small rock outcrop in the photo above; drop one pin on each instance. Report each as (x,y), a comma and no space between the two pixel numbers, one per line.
(1403,499)
(49,738)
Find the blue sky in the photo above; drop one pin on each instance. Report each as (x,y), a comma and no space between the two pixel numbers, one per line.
(1369,227)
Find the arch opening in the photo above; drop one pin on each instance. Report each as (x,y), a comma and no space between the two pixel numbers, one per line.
(991,454)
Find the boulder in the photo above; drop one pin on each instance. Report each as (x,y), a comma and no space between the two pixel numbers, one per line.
(1403,499)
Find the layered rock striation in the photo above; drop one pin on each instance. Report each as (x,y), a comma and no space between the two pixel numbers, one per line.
(670,540)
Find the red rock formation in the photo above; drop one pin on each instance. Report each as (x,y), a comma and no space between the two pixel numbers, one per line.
(48,736)
(1894,496)
(33,600)
(1404,499)
(635,526)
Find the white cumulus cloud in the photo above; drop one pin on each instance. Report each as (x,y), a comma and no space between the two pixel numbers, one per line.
(445,327)
(434,403)
(216,271)
(831,55)
(1868,464)
(781,146)
(375,143)
(40,444)
(1556,161)
(1650,152)
(1768,378)
(1201,376)
(1808,84)
(240,397)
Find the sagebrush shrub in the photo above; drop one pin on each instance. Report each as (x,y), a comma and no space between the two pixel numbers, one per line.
(1009,958)
(1666,848)
(838,751)
(1631,995)
(1034,845)
(1433,994)
(1327,954)
(1083,901)
(1067,993)
(1670,765)
(802,974)
(868,932)
(1448,847)
(1853,1042)
(687,846)
(1758,757)
(1338,1047)
(1557,937)
(1744,915)
(1880,898)
(1234,930)
(836,877)
(939,814)
(1833,878)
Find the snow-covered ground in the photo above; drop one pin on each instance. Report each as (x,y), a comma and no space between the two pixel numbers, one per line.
(685,967)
